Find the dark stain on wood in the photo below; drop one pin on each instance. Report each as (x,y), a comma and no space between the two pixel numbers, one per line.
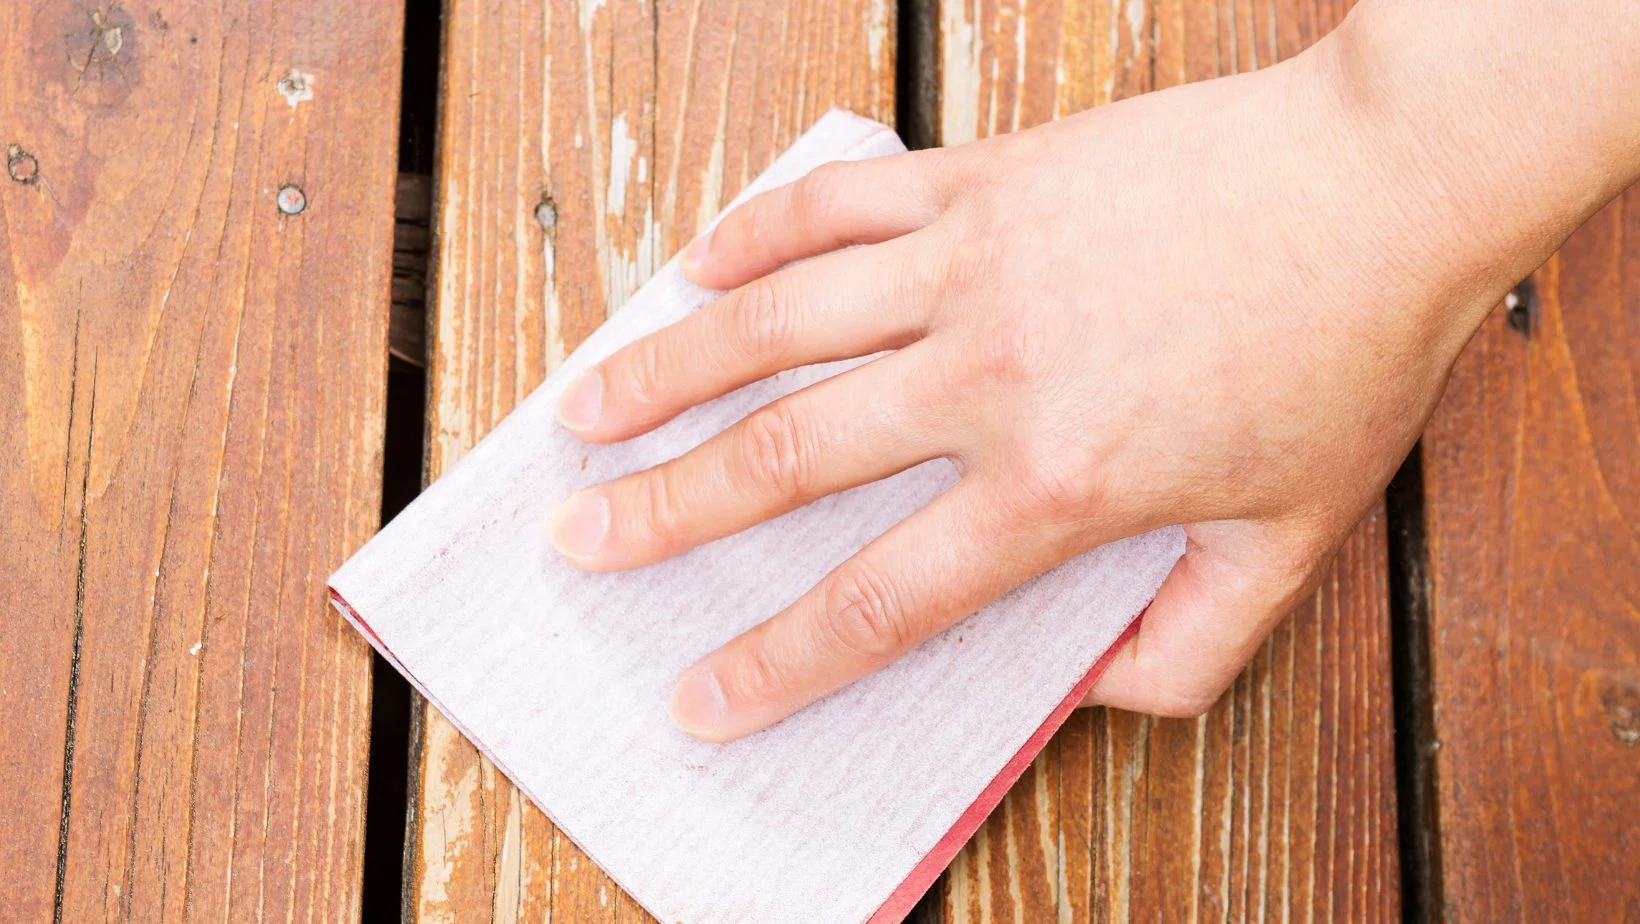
(22,166)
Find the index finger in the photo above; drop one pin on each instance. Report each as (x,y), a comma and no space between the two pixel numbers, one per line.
(833,206)
(839,306)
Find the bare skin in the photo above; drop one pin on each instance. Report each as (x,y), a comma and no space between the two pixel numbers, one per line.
(1232,305)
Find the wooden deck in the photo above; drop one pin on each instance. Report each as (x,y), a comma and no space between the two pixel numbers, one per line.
(199,270)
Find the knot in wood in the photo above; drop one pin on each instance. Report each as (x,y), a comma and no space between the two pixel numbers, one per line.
(21,166)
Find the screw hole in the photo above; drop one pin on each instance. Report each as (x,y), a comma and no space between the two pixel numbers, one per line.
(22,166)
(546,213)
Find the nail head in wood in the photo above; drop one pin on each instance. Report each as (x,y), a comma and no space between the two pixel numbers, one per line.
(292,201)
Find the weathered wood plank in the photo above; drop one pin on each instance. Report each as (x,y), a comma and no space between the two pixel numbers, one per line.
(191,435)
(1532,487)
(1281,801)
(580,145)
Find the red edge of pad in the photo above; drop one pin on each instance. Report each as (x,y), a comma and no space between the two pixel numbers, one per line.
(922,876)
(904,898)
(370,634)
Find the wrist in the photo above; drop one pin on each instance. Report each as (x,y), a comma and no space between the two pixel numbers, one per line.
(1477,138)
(1425,171)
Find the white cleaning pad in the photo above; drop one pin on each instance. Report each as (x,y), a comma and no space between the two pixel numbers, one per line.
(843,813)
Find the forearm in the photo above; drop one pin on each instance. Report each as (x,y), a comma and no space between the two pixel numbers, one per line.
(1490,130)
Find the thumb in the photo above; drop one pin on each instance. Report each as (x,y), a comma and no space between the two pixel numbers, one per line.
(1236,581)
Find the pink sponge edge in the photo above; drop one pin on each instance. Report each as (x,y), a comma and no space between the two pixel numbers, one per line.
(904,898)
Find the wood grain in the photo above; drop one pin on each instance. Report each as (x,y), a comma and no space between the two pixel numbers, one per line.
(1532,486)
(1280,803)
(581,144)
(191,434)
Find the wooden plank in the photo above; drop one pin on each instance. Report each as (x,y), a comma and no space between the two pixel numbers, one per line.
(581,144)
(191,435)
(1280,802)
(1532,491)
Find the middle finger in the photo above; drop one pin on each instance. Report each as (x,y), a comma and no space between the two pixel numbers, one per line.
(860,426)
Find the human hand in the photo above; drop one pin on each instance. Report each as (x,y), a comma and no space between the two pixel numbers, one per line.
(1202,306)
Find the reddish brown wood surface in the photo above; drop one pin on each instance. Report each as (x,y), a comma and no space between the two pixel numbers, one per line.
(190,437)
(1280,803)
(581,144)
(1532,480)
(1277,805)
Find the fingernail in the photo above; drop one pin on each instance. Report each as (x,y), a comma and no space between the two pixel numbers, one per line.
(698,706)
(695,254)
(582,403)
(580,525)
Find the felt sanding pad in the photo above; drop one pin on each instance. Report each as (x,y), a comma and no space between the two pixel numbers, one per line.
(845,812)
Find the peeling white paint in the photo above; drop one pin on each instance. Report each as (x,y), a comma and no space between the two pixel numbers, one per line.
(959,102)
(1135,14)
(447,817)
(552,349)
(1020,23)
(296,87)
(626,271)
(589,8)
(622,148)
(877,29)
(711,185)
(509,866)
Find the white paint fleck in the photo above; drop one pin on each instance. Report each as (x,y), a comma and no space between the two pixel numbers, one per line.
(626,271)
(1136,23)
(447,816)
(960,55)
(296,87)
(711,185)
(1019,64)
(197,646)
(507,897)
(622,148)
(877,28)
(643,170)
(589,8)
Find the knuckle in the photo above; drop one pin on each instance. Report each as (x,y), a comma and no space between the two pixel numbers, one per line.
(762,320)
(817,196)
(1007,355)
(777,453)
(1189,701)
(976,258)
(1015,351)
(1050,490)
(657,513)
(864,615)
(644,371)
(763,676)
